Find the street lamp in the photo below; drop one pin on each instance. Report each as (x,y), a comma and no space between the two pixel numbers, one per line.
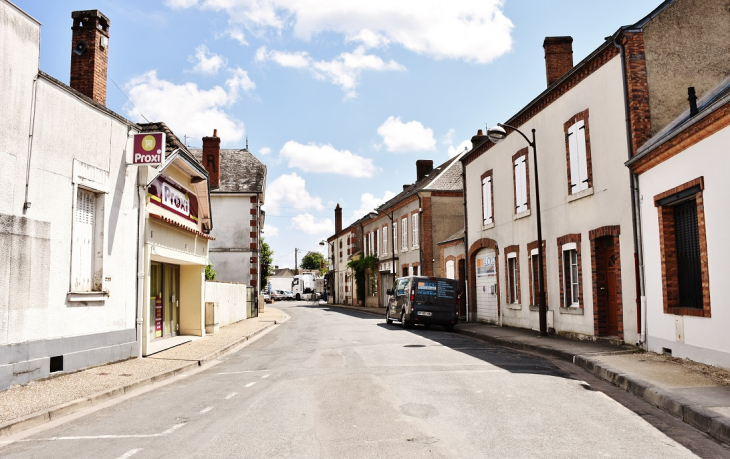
(496,135)
(332,270)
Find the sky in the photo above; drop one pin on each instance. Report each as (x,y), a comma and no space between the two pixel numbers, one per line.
(338,98)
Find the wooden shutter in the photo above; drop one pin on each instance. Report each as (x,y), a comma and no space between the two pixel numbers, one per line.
(404,232)
(395,236)
(415,230)
(574,167)
(520,185)
(487,199)
(82,268)
(582,159)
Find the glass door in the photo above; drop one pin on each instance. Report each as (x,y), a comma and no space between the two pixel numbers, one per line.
(171,274)
(156,296)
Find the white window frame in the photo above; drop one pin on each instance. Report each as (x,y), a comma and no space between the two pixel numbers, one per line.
(520,166)
(450,274)
(404,232)
(568,278)
(513,284)
(578,157)
(414,224)
(370,241)
(395,237)
(487,200)
(379,248)
(534,259)
(384,251)
(87,269)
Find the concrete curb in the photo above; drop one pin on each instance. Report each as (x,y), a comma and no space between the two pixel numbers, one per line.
(59,411)
(713,424)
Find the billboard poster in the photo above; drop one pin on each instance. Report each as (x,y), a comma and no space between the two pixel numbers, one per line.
(167,194)
(148,149)
(486,267)
(158,316)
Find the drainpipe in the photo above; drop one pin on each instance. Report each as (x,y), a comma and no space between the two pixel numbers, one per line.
(466,238)
(141,202)
(635,210)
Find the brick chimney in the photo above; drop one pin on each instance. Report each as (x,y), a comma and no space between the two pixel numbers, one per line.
(423,168)
(477,139)
(558,57)
(90,53)
(338,219)
(212,158)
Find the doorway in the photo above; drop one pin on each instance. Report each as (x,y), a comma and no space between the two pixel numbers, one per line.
(164,300)
(607,309)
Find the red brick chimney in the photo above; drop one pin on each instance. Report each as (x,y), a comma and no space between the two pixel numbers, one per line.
(90,53)
(423,168)
(338,219)
(558,57)
(212,158)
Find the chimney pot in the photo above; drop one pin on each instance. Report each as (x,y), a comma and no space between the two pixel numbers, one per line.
(480,132)
(215,132)
(558,57)
(423,168)
(90,54)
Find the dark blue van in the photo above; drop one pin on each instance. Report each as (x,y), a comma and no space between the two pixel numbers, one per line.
(423,300)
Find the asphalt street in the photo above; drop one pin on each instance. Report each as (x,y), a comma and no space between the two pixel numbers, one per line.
(334,383)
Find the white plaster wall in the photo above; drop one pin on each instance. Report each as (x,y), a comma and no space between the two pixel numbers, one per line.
(19,54)
(230,253)
(707,159)
(602,94)
(231,299)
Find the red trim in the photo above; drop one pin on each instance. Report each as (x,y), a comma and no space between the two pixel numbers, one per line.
(172,222)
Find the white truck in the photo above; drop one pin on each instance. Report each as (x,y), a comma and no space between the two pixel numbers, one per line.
(303,285)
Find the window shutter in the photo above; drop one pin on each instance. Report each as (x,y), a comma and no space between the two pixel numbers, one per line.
(487,197)
(395,237)
(573,149)
(404,232)
(83,241)
(520,185)
(582,159)
(415,230)
(385,240)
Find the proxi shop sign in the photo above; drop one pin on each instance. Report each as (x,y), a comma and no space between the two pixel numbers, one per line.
(148,149)
(168,194)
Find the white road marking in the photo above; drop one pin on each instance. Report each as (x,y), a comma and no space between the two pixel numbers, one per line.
(130,453)
(250,384)
(108,437)
(237,372)
(265,376)
(231,395)
(205,410)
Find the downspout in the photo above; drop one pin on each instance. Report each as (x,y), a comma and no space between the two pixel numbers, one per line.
(420,231)
(31,130)
(641,326)
(466,238)
(141,274)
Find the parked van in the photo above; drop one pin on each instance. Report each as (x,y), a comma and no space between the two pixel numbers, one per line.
(423,300)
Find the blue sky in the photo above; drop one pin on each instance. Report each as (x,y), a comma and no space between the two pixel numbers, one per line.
(338,98)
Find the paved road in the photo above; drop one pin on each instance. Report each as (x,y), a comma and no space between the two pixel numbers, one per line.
(343,384)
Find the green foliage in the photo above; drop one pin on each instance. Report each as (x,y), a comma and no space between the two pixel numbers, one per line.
(314,260)
(209,273)
(360,267)
(266,261)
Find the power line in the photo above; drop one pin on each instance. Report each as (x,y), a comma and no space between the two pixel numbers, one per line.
(135,107)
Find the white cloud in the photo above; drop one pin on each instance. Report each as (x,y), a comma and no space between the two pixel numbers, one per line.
(461,148)
(326,159)
(344,70)
(469,30)
(307,224)
(401,137)
(206,62)
(239,80)
(270,230)
(236,34)
(289,191)
(368,203)
(186,108)
(265,151)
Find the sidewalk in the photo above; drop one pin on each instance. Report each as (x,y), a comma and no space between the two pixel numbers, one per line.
(23,407)
(696,393)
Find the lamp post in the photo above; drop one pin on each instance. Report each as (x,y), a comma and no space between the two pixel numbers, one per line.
(496,135)
(332,270)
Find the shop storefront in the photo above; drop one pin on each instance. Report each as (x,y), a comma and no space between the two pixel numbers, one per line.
(177,220)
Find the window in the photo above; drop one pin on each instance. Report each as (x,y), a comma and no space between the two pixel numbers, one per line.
(378,245)
(410,270)
(370,241)
(86,263)
(401,287)
(520,182)
(535,280)
(513,275)
(395,237)
(570,276)
(415,229)
(487,198)
(683,245)
(450,269)
(385,240)
(404,232)
(578,156)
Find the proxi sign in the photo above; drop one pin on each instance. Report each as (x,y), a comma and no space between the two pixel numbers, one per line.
(149,149)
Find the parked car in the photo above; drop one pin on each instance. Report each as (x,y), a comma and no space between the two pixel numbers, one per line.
(278,295)
(423,300)
(267,297)
(289,295)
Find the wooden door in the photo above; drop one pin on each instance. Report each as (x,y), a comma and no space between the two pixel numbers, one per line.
(611,308)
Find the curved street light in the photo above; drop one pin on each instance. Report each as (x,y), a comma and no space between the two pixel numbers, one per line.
(496,135)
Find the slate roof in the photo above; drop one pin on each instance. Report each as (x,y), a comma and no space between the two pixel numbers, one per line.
(241,171)
(446,177)
(172,142)
(459,235)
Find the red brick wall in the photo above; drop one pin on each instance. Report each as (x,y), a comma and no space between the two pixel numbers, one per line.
(425,232)
(558,57)
(212,161)
(638,89)
(89,70)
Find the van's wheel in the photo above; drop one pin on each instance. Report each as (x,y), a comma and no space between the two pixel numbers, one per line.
(388,320)
(298,297)
(403,322)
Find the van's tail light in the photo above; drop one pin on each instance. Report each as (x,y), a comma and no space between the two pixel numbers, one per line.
(458,301)
(413,294)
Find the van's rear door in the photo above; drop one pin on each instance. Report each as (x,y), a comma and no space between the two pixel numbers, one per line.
(437,295)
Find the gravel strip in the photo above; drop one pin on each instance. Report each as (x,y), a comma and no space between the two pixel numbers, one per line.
(40,395)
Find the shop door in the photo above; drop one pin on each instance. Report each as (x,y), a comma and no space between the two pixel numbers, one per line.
(156,296)
(171,274)
(486,288)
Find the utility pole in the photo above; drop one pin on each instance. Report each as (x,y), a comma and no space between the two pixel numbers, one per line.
(296,269)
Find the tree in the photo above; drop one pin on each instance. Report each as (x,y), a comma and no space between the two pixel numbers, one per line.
(265,263)
(314,260)
(210,273)
(360,266)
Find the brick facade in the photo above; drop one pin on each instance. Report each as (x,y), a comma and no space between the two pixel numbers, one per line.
(507,250)
(638,89)
(425,232)
(599,281)
(533,295)
(89,69)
